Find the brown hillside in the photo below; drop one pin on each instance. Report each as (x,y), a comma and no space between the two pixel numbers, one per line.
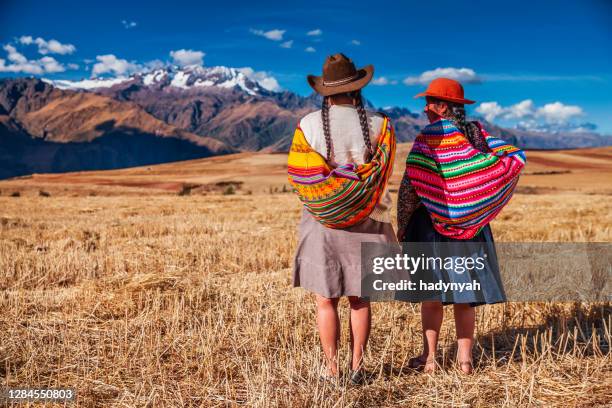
(83,117)
(581,170)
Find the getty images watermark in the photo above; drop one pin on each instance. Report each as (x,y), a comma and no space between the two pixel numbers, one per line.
(473,272)
(412,265)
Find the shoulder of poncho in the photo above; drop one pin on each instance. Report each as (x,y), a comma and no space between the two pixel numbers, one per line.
(439,128)
(384,120)
(382,116)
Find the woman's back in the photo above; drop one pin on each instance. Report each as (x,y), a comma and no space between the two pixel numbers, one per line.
(348,145)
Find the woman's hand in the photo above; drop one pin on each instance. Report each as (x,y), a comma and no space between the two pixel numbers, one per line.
(400,234)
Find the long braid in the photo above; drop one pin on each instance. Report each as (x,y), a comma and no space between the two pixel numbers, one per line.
(326,128)
(456,114)
(365,128)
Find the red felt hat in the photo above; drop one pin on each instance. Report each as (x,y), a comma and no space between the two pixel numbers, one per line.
(446,89)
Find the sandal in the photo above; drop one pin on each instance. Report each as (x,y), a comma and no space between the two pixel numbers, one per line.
(419,364)
(359,377)
(331,380)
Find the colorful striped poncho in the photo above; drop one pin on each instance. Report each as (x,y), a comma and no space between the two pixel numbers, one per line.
(462,188)
(343,196)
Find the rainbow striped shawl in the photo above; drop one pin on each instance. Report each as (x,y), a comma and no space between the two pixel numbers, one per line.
(343,196)
(462,188)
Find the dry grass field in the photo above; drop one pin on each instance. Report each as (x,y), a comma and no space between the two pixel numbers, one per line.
(170,285)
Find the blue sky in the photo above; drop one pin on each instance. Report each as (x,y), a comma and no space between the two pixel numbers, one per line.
(537,63)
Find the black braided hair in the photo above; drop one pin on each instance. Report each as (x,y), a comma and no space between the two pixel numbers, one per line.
(456,114)
(326,129)
(363,122)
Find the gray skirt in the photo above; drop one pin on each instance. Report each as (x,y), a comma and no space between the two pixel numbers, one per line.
(328,260)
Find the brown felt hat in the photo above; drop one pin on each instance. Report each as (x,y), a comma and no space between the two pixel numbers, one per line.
(340,76)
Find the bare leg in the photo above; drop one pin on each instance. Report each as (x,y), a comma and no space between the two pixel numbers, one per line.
(328,323)
(431,320)
(465,320)
(360,322)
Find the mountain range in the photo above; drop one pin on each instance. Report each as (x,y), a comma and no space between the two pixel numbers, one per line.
(173,113)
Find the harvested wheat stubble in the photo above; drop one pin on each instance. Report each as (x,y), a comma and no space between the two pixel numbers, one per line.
(187,301)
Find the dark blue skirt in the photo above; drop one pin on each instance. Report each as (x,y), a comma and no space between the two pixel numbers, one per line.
(482,247)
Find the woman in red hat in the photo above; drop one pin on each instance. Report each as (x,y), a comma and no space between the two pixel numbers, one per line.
(457,180)
(332,151)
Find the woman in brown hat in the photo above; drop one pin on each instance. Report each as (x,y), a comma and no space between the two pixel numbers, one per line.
(332,150)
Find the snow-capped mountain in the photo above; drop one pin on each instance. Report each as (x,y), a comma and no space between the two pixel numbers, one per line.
(188,77)
(86,83)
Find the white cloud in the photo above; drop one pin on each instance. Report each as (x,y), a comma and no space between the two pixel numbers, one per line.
(154,64)
(526,111)
(28,67)
(465,75)
(128,24)
(529,124)
(265,79)
(274,35)
(490,110)
(26,39)
(19,63)
(73,66)
(520,110)
(383,81)
(557,112)
(185,57)
(48,47)
(310,49)
(315,33)
(493,110)
(54,47)
(355,42)
(287,44)
(50,65)
(14,55)
(111,64)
